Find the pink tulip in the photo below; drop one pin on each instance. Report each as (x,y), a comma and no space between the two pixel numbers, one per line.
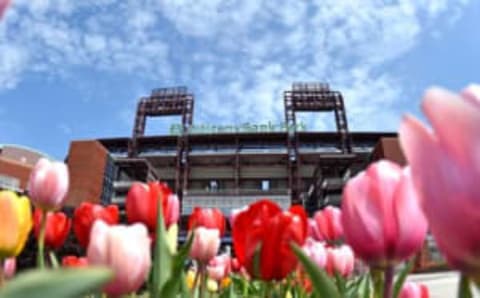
(219,267)
(125,250)
(48,184)
(413,290)
(381,217)
(313,231)
(445,162)
(205,244)
(173,212)
(3,7)
(340,260)
(316,251)
(329,224)
(9,267)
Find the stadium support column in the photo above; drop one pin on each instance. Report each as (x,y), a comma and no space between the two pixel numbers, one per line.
(292,149)
(167,102)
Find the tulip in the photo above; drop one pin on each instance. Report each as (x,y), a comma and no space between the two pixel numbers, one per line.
(74,261)
(313,231)
(125,250)
(219,267)
(413,290)
(9,267)
(340,260)
(328,224)
(57,227)
(208,218)
(446,171)
(86,214)
(234,213)
(48,184)
(316,252)
(3,7)
(141,204)
(206,243)
(16,222)
(263,228)
(376,205)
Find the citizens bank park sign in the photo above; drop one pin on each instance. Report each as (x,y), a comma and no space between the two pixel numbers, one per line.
(176,129)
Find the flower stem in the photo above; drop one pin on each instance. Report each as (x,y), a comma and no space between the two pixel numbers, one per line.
(387,289)
(2,276)
(41,241)
(203,279)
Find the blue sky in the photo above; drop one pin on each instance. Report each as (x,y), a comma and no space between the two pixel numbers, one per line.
(75,69)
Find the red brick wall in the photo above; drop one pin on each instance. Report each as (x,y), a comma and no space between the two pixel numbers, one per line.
(86,165)
(389,148)
(15,169)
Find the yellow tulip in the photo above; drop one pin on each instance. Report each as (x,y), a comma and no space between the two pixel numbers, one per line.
(190,278)
(16,223)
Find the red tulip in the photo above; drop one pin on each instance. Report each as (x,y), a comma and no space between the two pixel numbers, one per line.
(3,7)
(74,261)
(48,184)
(381,216)
(413,290)
(264,223)
(445,162)
(125,250)
(340,260)
(142,204)
(57,228)
(329,224)
(208,218)
(86,214)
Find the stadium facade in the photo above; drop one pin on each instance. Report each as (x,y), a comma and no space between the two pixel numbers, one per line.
(230,166)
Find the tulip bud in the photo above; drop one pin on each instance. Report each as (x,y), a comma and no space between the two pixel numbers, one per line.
(340,260)
(16,222)
(219,267)
(413,290)
(234,213)
(86,214)
(57,228)
(375,205)
(211,218)
(9,267)
(125,250)
(316,252)
(328,224)
(48,184)
(206,243)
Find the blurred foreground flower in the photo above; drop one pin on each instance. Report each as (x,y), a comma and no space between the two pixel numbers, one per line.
(375,208)
(9,267)
(413,290)
(125,250)
(48,184)
(16,222)
(74,261)
(57,228)
(142,204)
(211,218)
(265,227)
(316,251)
(3,7)
(206,243)
(445,162)
(86,214)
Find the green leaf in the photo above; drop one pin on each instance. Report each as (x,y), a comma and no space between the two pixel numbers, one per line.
(400,280)
(364,286)
(322,285)
(464,289)
(341,283)
(162,262)
(61,283)
(256,261)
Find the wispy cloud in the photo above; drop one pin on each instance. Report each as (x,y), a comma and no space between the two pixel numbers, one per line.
(237,56)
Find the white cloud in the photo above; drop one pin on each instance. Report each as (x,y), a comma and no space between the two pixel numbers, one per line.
(236,56)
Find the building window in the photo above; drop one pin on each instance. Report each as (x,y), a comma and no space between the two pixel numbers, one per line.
(213,185)
(265,185)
